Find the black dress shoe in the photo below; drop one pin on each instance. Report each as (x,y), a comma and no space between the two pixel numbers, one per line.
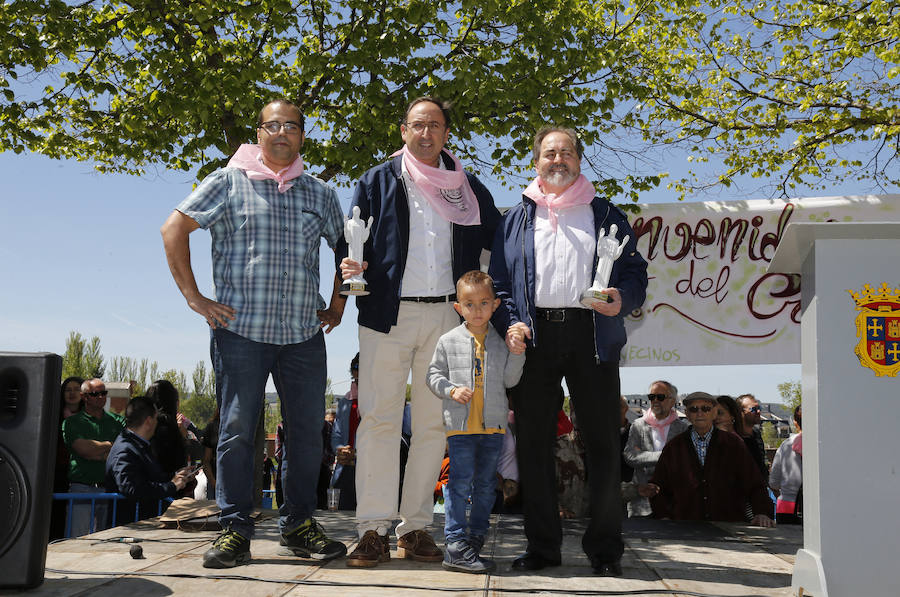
(607,568)
(533,561)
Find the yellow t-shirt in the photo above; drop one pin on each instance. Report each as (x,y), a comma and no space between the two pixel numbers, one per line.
(475,423)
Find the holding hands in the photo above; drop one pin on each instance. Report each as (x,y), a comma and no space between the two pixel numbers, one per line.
(515,337)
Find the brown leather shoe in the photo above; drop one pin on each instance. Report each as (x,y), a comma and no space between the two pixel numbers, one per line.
(372,550)
(419,546)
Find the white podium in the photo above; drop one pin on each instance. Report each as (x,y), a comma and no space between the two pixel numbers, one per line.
(850,353)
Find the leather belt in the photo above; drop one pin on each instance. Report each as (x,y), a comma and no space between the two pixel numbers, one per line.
(450,298)
(561,315)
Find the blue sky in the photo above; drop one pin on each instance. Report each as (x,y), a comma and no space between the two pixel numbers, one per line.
(81,251)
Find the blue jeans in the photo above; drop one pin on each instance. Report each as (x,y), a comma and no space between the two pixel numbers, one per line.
(81,511)
(473,472)
(242,368)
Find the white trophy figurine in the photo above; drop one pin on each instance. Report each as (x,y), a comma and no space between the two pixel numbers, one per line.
(356,232)
(608,250)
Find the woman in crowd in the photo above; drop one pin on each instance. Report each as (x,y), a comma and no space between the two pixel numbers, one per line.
(786,475)
(69,403)
(728,415)
(169,443)
(70,397)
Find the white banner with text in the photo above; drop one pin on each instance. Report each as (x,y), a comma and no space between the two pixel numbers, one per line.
(709,299)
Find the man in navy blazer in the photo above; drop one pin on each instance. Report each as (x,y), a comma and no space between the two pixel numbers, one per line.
(430,222)
(132,470)
(544,257)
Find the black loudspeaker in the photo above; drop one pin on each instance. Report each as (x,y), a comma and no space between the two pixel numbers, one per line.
(29,416)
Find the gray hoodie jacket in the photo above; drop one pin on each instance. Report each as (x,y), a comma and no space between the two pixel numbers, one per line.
(453,365)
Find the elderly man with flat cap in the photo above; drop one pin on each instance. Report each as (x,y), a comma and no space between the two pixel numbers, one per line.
(707,474)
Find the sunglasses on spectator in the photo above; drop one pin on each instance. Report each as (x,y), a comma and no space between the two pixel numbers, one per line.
(694,409)
(95,394)
(660,397)
(753,409)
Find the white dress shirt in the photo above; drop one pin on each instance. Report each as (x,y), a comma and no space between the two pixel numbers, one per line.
(564,259)
(657,438)
(429,265)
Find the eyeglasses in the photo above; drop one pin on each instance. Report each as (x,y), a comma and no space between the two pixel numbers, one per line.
(419,127)
(273,126)
(695,409)
(660,397)
(95,394)
(753,409)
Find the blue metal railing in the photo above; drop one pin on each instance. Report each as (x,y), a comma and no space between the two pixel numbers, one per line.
(71,498)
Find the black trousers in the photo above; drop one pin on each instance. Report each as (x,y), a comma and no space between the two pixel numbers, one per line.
(566,350)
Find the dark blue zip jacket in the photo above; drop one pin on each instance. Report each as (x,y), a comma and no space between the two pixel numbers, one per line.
(512,268)
(381,193)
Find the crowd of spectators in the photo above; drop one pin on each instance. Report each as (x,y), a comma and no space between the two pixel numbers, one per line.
(716,470)
(147,451)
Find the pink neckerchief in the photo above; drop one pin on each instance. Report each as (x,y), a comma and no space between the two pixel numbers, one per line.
(579,192)
(661,426)
(447,191)
(797,444)
(248,158)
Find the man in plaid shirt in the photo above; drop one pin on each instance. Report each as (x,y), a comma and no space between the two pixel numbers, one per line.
(266,217)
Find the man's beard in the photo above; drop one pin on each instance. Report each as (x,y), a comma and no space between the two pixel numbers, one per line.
(560,178)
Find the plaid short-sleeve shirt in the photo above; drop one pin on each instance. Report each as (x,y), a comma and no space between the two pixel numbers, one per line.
(265,250)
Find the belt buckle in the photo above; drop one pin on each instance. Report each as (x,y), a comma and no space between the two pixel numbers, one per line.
(556,315)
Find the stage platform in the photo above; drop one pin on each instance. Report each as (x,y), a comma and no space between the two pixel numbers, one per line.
(661,558)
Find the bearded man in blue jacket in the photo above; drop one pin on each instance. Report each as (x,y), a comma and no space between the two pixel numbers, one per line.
(543,259)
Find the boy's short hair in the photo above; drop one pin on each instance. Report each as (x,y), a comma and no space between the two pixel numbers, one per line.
(476,277)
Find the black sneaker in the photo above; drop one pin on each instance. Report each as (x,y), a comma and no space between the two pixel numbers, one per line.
(309,541)
(230,549)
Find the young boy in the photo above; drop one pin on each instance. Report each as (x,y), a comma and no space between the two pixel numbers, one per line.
(471,370)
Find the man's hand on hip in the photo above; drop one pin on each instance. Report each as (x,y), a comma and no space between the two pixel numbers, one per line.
(216,314)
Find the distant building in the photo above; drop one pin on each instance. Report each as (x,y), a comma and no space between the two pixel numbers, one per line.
(118,397)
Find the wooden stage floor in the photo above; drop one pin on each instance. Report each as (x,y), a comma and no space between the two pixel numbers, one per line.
(661,558)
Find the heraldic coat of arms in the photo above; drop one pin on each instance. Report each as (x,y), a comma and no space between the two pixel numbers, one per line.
(878,329)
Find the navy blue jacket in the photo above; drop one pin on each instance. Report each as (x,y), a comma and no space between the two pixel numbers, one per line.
(132,471)
(380,193)
(512,268)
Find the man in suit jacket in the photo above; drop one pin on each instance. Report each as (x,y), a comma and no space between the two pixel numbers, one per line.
(647,437)
(132,470)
